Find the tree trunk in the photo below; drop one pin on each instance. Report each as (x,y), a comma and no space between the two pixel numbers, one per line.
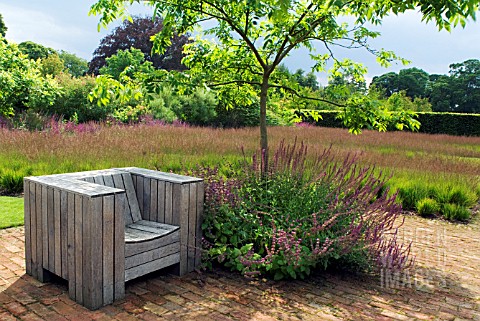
(263,122)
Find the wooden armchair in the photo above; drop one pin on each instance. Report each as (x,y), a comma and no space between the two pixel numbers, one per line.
(99,229)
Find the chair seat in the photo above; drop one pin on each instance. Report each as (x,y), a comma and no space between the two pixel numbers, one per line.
(142,231)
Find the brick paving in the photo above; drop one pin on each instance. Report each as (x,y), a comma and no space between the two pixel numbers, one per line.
(444,286)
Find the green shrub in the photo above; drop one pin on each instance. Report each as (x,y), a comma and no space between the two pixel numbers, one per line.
(427,207)
(454,212)
(299,216)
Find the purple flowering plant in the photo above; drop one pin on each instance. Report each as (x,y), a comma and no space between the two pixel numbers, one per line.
(304,213)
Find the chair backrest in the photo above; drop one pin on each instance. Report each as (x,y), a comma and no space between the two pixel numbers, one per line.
(121,180)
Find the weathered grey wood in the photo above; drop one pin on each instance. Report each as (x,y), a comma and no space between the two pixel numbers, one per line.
(199,222)
(168,203)
(81,231)
(192,221)
(156,225)
(79,255)
(39,229)
(98,180)
(151,266)
(136,248)
(108,248)
(140,233)
(152,255)
(44,230)
(108,181)
(180,213)
(119,246)
(161,202)
(71,248)
(132,200)
(167,177)
(28,227)
(50,231)
(93,243)
(64,233)
(58,245)
(146,196)
(153,200)
(139,191)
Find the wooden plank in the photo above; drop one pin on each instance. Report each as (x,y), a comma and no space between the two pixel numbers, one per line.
(137,248)
(151,266)
(44,230)
(108,248)
(89,179)
(168,177)
(156,225)
(132,200)
(87,273)
(93,244)
(108,181)
(98,180)
(139,191)
(64,234)
(161,202)
(198,226)
(119,183)
(153,200)
(168,203)
(71,248)
(58,244)
(33,227)
(153,255)
(50,230)
(28,226)
(119,246)
(39,234)
(180,201)
(192,221)
(79,249)
(146,197)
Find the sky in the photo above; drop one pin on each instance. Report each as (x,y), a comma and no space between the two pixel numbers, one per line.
(65,25)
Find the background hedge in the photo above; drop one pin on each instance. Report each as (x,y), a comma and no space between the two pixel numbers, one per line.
(431,123)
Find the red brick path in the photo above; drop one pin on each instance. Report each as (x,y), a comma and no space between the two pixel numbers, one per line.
(444,286)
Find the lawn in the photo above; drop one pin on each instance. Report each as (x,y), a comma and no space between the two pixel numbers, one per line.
(11,211)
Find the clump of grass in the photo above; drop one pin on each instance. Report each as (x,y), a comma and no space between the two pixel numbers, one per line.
(427,207)
(454,212)
(450,201)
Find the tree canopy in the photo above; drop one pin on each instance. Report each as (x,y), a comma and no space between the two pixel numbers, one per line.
(136,33)
(75,65)
(21,81)
(253,37)
(3,27)
(411,80)
(35,50)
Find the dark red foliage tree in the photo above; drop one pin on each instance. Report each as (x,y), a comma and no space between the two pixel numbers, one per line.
(137,34)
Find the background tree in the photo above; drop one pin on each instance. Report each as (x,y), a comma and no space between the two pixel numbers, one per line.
(3,27)
(466,85)
(34,50)
(21,83)
(75,65)
(129,62)
(413,81)
(255,36)
(51,65)
(136,34)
